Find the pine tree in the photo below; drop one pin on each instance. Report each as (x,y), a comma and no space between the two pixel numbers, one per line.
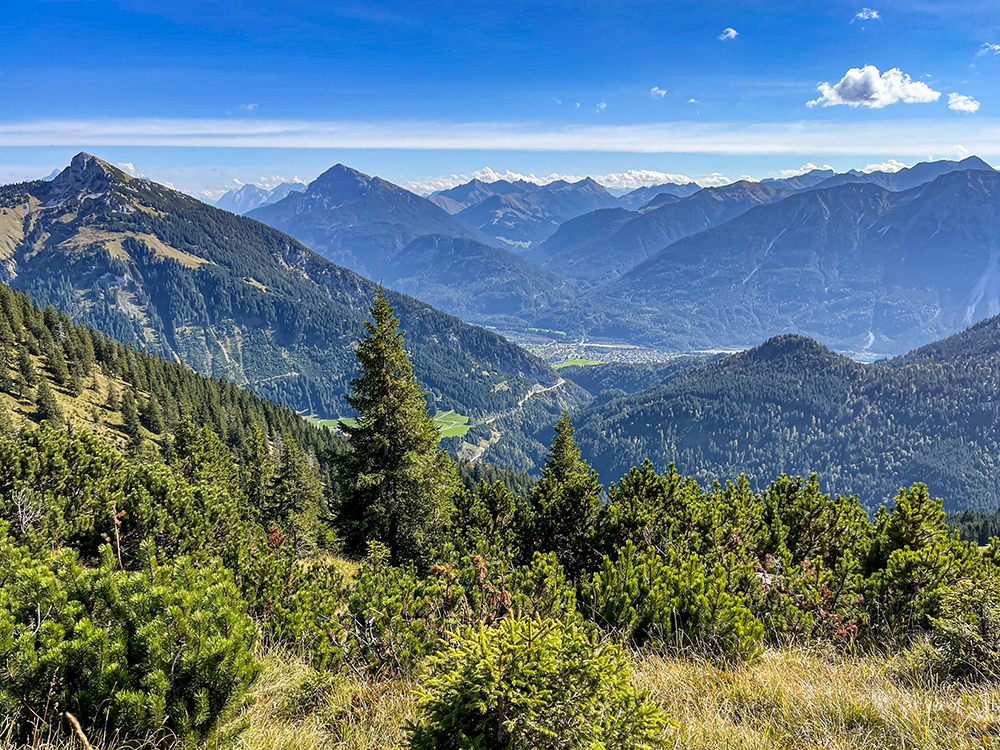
(26,367)
(396,485)
(566,503)
(46,406)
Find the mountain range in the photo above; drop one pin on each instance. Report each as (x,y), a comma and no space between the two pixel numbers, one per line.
(248,197)
(229,296)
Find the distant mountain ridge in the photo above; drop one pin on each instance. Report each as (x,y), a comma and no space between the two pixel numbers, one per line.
(599,247)
(248,197)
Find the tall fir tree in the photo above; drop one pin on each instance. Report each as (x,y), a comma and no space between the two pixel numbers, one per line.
(566,504)
(396,485)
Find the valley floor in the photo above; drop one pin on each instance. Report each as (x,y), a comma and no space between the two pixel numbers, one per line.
(794,698)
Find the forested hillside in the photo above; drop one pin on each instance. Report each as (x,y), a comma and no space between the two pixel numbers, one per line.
(192,597)
(229,296)
(793,406)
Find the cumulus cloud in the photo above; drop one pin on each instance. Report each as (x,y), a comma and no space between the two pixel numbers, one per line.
(961,103)
(578,105)
(887,166)
(865,87)
(728,33)
(129,167)
(804,169)
(657,91)
(867,14)
(693,101)
(602,106)
(249,107)
(988,49)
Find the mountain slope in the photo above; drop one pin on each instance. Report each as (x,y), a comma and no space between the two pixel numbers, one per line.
(600,247)
(791,405)
(856,266)
(230,296)
(358,221)
(478,283)
(522,217)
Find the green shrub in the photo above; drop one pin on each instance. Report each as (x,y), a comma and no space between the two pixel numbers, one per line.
(677,604)
(132,653)
(967,633)
(533,684)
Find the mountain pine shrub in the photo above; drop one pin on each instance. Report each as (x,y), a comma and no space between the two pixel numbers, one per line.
(677,604)
(162,650)
(533,684)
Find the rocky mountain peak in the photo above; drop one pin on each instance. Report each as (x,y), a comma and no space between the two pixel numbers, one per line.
(85,176)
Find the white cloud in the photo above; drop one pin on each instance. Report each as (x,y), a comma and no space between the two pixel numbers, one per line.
(989,49)
(804,169)
(129,167)
(867,14)
(728,33)
(693,101)
(887,166)
(249,107)
(557,101)
(713,180)
(819,138)
(602,106)
(578,105)
(962,151)
(961,103)
(657,91)
(864,87)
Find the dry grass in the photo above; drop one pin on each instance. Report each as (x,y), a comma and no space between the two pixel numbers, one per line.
(797,698)
(293,707)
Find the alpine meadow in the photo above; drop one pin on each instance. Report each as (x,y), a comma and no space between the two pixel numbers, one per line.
(579,376)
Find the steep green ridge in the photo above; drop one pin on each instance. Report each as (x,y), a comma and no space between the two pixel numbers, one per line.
(131,399)
(229,296)
(791,405)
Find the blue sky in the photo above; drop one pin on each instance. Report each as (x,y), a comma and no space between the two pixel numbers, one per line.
(198,94)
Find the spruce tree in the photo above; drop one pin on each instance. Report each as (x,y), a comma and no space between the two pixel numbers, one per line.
(46,406)
(396,485)
(566,504)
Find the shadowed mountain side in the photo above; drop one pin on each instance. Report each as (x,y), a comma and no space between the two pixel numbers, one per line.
(474,281)
(791,405)
(600,247)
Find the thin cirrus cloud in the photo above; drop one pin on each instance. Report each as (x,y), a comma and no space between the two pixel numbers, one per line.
(866,87)
(904,137)
(988,49)
(961,103)
(657,91)
(867,14)
(728,33)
